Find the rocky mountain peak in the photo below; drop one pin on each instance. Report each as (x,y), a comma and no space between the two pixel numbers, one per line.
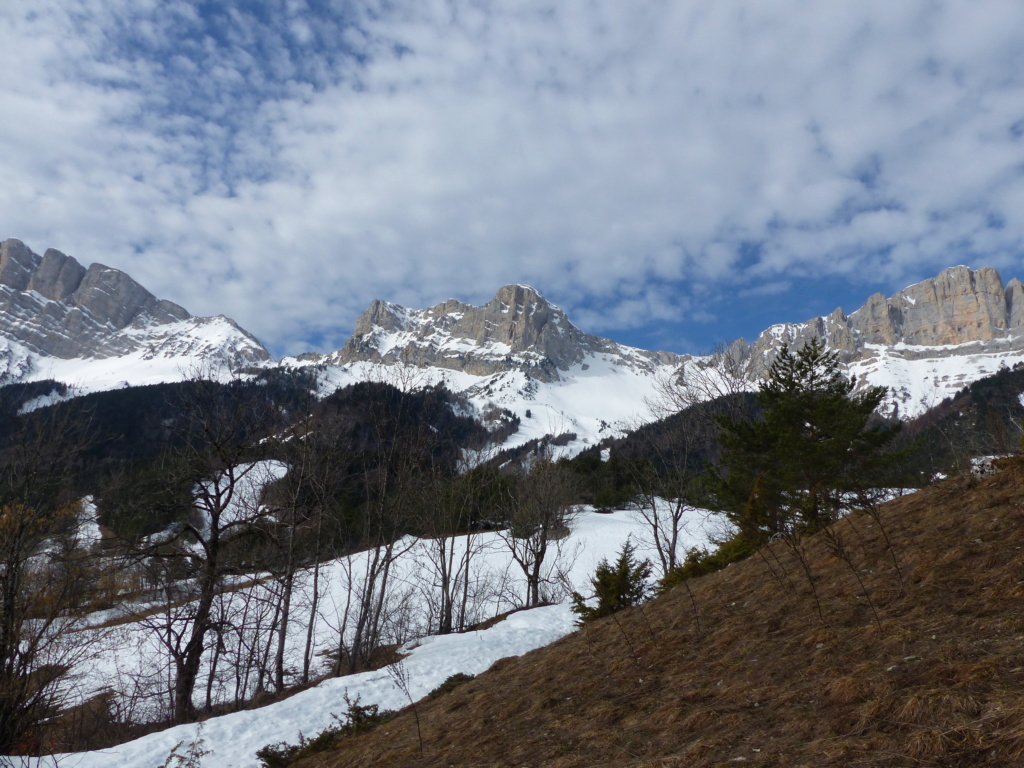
(516,330)
(108,295)
(55,307)
(957,306)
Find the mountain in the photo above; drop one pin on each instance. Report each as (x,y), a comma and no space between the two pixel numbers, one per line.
(516,357)
(97,327)
(924,343)
(518,330)
(521,353)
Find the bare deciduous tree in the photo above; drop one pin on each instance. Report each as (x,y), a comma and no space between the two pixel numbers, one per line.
(538,509)
(46,580)
(216,435)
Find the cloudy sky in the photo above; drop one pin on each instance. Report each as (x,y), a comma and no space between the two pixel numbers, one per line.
(671,172)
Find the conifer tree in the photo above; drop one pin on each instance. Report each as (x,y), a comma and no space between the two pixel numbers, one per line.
(615,586)
(814,450)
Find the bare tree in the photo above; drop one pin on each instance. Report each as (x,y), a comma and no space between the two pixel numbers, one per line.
(451,543)
(672,455)
(216,434)
(538,509)
(392,455)
(42,584)
(46,580)
(722,375)
(663,506)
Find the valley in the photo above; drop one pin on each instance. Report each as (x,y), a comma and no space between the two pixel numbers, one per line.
(208,535)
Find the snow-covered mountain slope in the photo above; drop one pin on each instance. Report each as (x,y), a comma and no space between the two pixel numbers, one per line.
(518,352)
(919,378)
(97,328)
(591,400)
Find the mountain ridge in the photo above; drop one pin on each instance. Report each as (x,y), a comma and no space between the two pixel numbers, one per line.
(924,343)
(52,309)
(517,330)
(96,328)
(958,306)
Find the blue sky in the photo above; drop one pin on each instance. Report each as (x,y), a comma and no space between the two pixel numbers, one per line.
(672,173)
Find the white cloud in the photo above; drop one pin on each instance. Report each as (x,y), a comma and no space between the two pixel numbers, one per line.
(287,168)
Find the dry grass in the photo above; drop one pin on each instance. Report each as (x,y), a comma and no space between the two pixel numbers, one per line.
(936,680)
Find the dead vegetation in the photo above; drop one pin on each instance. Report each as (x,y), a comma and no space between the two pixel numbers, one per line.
(916,659)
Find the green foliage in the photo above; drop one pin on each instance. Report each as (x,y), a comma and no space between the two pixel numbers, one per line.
(359,719)
(815,447)
(607,484)
(700,562)
(616,586)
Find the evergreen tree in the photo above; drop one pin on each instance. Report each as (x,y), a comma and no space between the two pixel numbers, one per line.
(616,587)
(815,449)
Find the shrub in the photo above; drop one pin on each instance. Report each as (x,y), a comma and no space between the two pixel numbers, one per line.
(359,720)
(700,562)
(615,586)
(192,757)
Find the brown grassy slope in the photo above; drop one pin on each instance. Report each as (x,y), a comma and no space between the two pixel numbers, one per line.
(937,680)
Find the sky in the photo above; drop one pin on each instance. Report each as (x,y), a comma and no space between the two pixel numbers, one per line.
(672,173)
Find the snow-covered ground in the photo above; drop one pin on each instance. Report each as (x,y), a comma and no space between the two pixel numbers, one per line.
(919,378)
(130,653)
(232,740)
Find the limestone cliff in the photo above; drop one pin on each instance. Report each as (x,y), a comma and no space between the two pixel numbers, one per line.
(517,330)
(55,307)
(958,306)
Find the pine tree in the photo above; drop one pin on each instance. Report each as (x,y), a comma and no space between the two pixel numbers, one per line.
(815,448)
(616,587)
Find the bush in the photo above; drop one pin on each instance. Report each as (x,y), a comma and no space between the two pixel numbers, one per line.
(616,587)
(359,720)
(700,562)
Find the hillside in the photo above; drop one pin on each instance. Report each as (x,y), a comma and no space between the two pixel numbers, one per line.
(745,671)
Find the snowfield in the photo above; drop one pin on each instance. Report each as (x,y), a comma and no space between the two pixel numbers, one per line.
(129,655)
(919,378)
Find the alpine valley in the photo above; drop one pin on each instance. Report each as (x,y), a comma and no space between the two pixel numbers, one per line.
(97,329)
(209,550)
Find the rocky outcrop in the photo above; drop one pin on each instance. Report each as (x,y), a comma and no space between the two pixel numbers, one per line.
(1014,293)
(517,330)
(57,276)
(56,307)
(958,306)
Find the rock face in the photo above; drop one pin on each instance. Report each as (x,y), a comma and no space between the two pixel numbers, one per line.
(958,306)
(517,330)
(57,308)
